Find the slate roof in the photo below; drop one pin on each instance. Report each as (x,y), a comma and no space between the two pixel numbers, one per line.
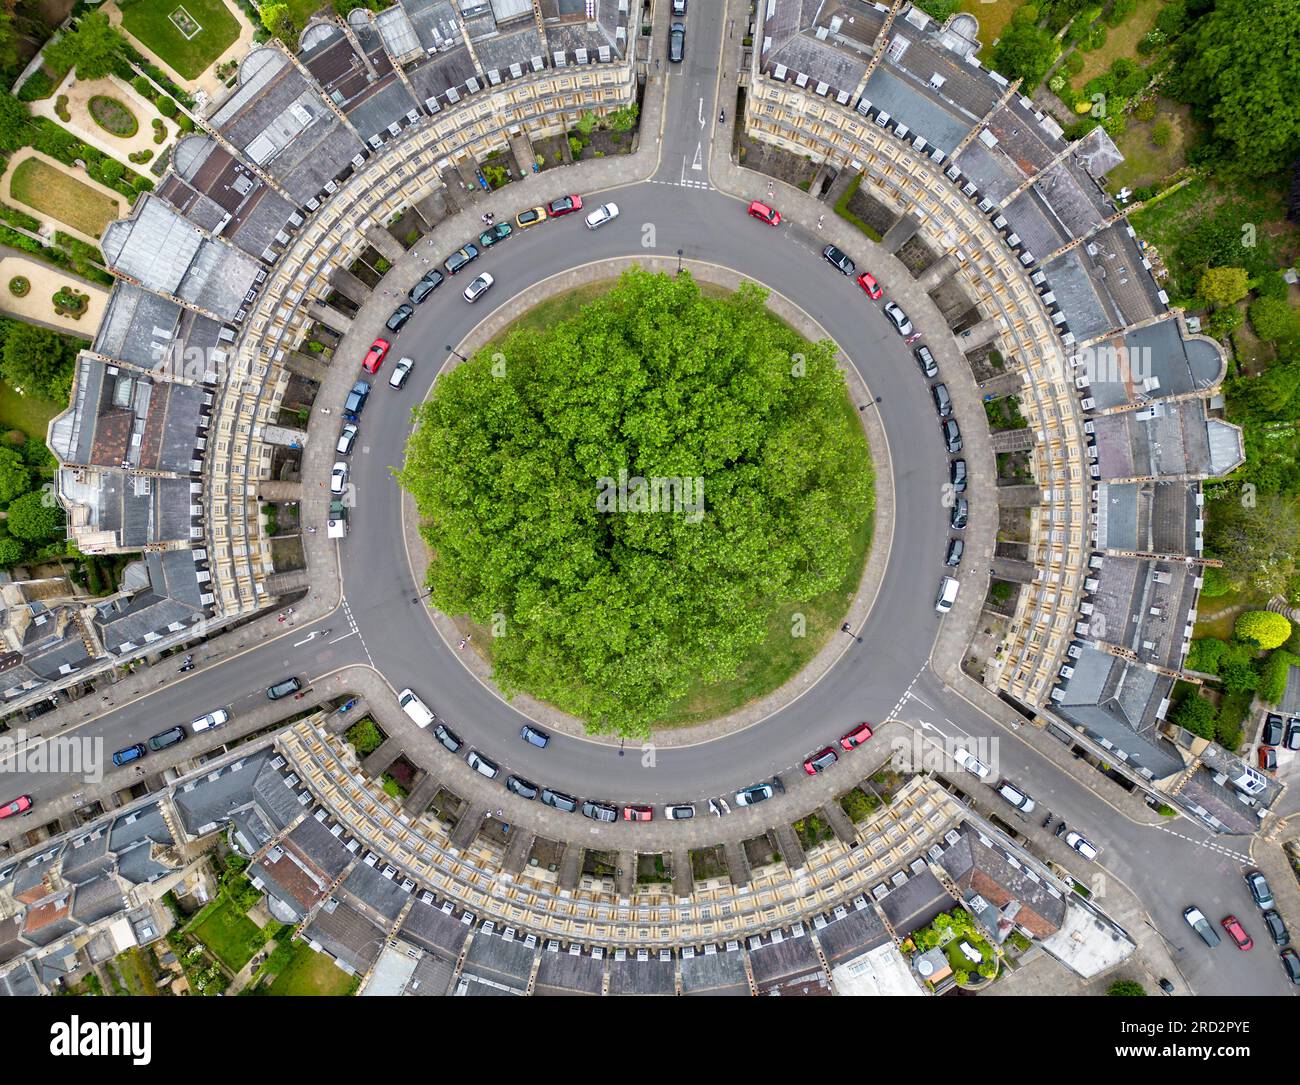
(715,974)
(979,866)
(562,973)
(348,936)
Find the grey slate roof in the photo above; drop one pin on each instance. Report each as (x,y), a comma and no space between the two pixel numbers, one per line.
(720,973)
(348,936)
(562,973)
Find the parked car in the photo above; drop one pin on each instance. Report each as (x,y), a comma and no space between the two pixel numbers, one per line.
(1291,965)
(681,811)
(957,475)
(20,805)
(838,260)
(534,736)
(347,438)
(356,401)
(1237,933)
(868,283)
(606,212)
(400,372)
(482,765)
(926,361)
(400,316)
(375,356)
(1292,740)
(1197,921)
(679,7)
(751,796)
(942,399)
(763,213)
(215,718)
(559,800)
(638,813)
(525,789)
(498,231)
(956,550)
(960,515)
(1268,758)
(947,595)
(1259,890)
(676,43)
(1271,733)
(564,205)
(897,318)
(1082,845)
(283,689)
(460,259)
(449,739)
(1015,796)
(479,287)
(131,753)
(428,283)
(339,478)
(952,435)
(971,763)
(599,811)
(820,761)
(531,217)
(856,737)
(1276,928)
(166,738)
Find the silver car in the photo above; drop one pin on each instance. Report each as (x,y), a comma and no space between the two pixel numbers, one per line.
(479,287)
(607,212)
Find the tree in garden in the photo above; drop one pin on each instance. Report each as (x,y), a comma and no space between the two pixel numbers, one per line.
(525,467)
(35,517)
(33,359)
(1223,285)
(11,550)
(1195,714)
(1263,628)
(15,478)
(1255,542)
(279,21)
(95,48)
(15,123)
(1025,50)
(1274,319)
(1126,988)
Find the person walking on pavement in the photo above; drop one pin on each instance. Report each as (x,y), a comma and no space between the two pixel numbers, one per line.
(820,219)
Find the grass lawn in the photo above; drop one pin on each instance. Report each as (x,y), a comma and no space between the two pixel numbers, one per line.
(1145,163)
(993,17)
(230,934)
(311,973)
(27,413)
(61,196)
(1121,41)
(150,22)
(302,10)
(136,973)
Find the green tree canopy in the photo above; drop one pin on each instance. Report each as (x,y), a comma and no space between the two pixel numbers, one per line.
(278,20)
(1126,988)
(35,516)
(1256,542)
(1223,285)
(1239,66)
(1263,628)
(95,48)
(15,478)
(524,466)
(1025,50)
(15,123)
(11,550)
(1196,714)
(36,360)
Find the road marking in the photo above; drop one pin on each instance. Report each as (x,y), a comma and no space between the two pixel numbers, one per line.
(347,613)
(698,163)
(704,186)
(1205,844)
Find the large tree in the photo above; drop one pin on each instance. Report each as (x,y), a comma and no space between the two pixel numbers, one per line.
(1257,540)
(35,516)
(16,128)
(95,48)
(36,360)
(602,606)
(1239,66)
(15,478)
(1025,50)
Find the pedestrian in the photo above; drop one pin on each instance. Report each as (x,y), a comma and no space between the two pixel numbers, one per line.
(324,410)
(820,218)
(311,531)
(461,645)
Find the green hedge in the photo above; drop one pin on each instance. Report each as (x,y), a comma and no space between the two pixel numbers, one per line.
(842,209)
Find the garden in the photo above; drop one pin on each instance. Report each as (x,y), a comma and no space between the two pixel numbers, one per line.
(973,959)
(114,116)
(55,193)
(187,36)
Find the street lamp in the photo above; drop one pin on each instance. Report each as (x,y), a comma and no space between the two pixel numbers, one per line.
(679,261)
(425,595)
(457,353)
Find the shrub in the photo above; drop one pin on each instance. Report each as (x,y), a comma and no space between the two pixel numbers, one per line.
(1273,675)
(1273,319)
(1126,988)
(143,87)
(1205,654)
(1215,582)
(1194,713)
(365,737)
(167,107)
(575,147)
(1263,628)
(1145,110)
(20,286)
(1161,133)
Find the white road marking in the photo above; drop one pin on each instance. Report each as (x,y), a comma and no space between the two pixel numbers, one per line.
(1206,844)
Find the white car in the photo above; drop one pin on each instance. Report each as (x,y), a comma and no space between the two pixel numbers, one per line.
(400,372)
(1015,796)
(752,795)
(604,213)
(679,811)
(1082,845)
(898,318)
(215,718)
(479,287)
(971,763)
(339,479)
(347,438)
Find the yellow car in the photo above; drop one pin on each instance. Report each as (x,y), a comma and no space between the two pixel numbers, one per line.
(530,217)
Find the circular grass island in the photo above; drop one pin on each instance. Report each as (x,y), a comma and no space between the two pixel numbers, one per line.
(656,501)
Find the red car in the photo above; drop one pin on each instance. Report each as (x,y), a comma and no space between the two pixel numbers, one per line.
(820,761)
(763,213)
(868,283)
(638,813)
(20,805)
(1268,758)
(856,737)
(375,356)
(1237,933)
(565,205)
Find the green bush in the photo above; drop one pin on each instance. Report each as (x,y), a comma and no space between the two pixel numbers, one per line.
(1125,988)
(167,107)
(1263,628)
(1205,654)
(365,736)
(38,86)
(1161,134)
(1194,713)
(1273,675)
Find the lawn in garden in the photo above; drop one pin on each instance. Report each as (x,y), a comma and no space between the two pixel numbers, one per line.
(58,195)
(229,933)
(26,413)
(311,973)
(151,22)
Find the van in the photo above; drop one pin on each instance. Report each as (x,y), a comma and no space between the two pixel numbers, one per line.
(415,708)
(947,595)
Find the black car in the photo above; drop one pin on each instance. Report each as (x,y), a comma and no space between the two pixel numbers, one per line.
(599,811)
(956,548)
(497,232)
(1292,740)
(400,316)
(676,43)
(525,789)
(559,800)
(356,401)
(957,475)
(1271,734)
(839,260)
(959,515)
(460,259)
(926,361)
(1291,964)
(952,435)
(448,738)
(1276,928)
(170,737)
(283,689)
(942,400)
(429,282)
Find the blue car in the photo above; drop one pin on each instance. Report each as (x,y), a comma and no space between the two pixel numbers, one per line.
(356,401)
(131,753)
